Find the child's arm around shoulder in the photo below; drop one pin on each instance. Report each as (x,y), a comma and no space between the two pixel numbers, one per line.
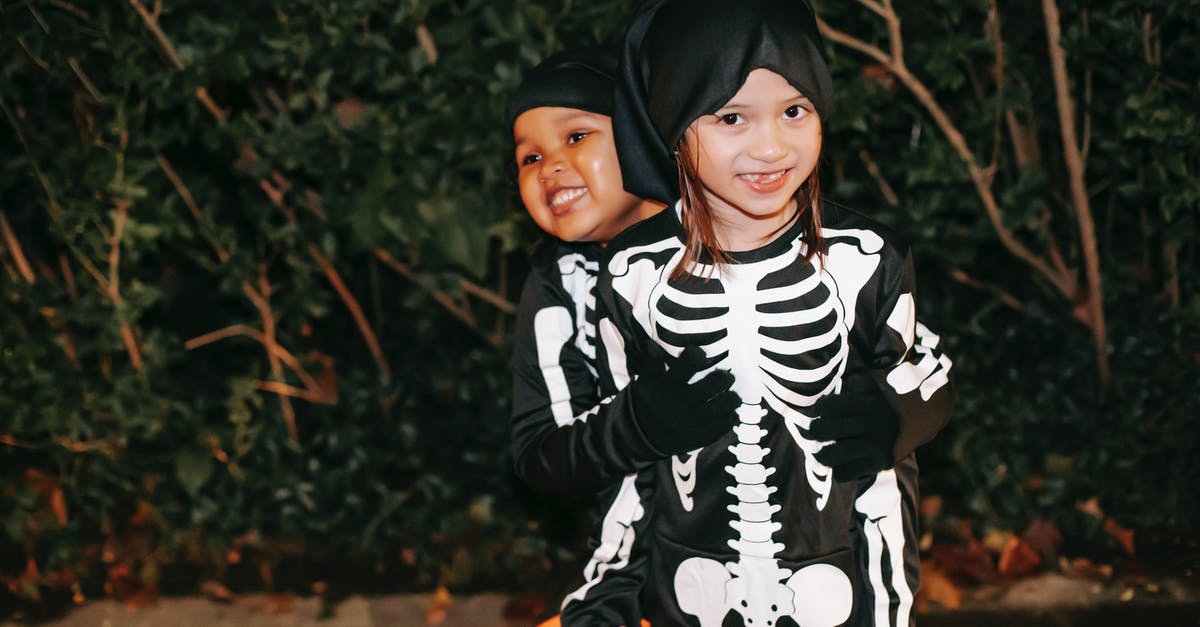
(564,439)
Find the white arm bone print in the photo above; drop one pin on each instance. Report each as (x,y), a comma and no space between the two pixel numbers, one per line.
(579,279)
(784,356)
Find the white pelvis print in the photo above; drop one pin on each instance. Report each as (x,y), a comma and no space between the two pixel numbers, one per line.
(755,585)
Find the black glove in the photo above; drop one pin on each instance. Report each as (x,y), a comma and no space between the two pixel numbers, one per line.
(861,426)
(677,417)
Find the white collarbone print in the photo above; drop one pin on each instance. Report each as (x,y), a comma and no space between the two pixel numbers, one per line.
(781,326)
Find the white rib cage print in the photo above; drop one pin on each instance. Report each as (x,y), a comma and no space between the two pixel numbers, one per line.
(781,327)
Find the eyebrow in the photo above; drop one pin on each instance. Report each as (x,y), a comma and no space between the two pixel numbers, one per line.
(736,105)
(565,116)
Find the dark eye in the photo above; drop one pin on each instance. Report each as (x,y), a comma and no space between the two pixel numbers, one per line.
(530,159)
(575,138)
(794,112)
(730,119)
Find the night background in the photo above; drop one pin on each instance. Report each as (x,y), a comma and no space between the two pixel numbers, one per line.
(259,259)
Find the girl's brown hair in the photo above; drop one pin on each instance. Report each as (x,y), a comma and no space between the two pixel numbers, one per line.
(696,216)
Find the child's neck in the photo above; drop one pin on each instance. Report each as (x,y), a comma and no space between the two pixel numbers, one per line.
(740,231)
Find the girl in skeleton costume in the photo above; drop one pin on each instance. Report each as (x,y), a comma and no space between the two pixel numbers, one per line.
(564,440)
(804,512)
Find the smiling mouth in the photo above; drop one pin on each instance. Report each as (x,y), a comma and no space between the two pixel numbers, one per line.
(765,182)
(561,200)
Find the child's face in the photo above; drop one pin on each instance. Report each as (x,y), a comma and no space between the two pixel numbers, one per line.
(569,176)
(755,152)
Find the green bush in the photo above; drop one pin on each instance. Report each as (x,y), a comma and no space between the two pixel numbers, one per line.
(330,180)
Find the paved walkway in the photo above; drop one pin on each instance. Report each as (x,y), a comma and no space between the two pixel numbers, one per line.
(1049,600)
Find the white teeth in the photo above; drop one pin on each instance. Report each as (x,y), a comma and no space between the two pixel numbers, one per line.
(764,179)
(564,196)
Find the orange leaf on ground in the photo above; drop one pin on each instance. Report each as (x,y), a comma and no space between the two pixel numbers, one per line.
(937,588)
(931,506)
(216,591)
(970,563)
(1018,558)
(1044,537)
(525,608)
(281,603)
(1091,507)
(1123,535)
(439,605)
(1084,568)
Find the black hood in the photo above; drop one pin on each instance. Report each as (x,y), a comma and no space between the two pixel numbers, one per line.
(576,79)
(682,59)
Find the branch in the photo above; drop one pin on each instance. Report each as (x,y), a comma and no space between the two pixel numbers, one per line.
(439,296)
(1079,196)
(55,208)
(189,202)
(1002,295)
(979,176)
(14,248)
(889,194)
(83,78)
(113,284)
(206,100)
(261,300)
(356,311)
(316,392)
(425,39)
(151,21)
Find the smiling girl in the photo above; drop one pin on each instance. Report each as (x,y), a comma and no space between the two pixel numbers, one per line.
(804,512)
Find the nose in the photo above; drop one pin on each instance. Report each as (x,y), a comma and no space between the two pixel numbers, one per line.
(552,165)
(768,143)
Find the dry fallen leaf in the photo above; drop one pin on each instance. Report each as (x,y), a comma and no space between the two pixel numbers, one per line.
(216,591)
(526,607)
(1044,537)
(281,603)
(1123,535)
(1091,507)
(931,506)
(439,605)
(1018,558)
(970,563)
(937,588)
(995,540)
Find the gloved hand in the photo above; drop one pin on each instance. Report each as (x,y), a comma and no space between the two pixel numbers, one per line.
(859,424)
(677,417)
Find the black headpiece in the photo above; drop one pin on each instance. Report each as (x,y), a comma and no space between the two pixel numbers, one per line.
(682,59)
(577,79)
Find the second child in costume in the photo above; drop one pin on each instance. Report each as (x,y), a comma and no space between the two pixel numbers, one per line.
(562,436)
(804,511)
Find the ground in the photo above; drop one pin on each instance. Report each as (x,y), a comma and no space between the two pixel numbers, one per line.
(1049,600)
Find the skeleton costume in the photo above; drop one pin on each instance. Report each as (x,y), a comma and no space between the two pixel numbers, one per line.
(753,529)
(563,440)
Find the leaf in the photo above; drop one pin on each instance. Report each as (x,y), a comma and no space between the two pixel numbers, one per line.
(216,591)
(937,588)
(1123,536)
(1044,537)
(439,605)
(193,467)
(1018,558)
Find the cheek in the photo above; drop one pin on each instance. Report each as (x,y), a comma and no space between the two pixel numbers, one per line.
(601,169)
(532,194)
